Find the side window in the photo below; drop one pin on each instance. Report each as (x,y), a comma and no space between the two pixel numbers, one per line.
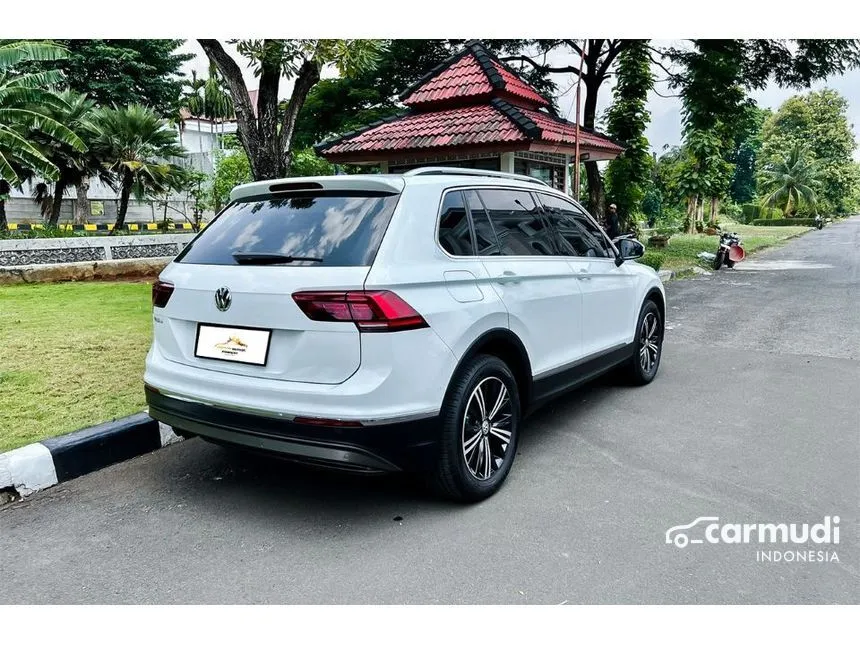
(485,236)
(455,236)
(517,222)
(576,234)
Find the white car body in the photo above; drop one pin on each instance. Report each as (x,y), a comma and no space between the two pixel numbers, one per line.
(569,317)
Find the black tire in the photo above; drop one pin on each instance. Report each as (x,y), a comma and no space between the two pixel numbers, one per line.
(459,450)
(636,367)
(730,264)
(718,261)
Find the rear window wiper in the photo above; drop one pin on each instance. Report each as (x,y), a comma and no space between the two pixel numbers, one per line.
(271,258)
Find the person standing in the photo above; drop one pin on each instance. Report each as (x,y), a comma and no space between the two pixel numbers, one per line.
(613,224)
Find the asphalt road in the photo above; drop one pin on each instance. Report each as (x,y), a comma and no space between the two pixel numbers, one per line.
(754,417)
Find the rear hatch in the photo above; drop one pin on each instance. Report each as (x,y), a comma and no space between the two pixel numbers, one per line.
(231,308)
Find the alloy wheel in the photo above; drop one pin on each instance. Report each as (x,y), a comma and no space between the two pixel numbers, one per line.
(487,428)
(649,342)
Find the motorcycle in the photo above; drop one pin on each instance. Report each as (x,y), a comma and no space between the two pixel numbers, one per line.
(819,222)
(731,251)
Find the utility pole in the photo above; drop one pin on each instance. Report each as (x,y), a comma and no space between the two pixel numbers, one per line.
(576,177)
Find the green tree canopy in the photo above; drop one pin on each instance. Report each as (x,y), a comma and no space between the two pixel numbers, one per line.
(628,176)
(122,72)
(818,122)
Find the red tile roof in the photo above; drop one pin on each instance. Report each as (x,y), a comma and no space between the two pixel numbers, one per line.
(471,100)
(465,77)
(485,124)
(473,72)
(471,125)
(517,86)
(558,131)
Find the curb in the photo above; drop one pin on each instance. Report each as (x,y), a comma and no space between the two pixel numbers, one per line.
(665,275)
(44,464)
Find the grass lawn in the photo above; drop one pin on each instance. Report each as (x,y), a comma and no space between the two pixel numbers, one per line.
(71,356)
(682,249)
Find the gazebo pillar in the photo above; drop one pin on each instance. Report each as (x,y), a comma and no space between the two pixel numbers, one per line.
(567,175)
(383,167)
(507,162)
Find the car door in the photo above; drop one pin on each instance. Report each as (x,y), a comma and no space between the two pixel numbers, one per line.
(534,281)
(608,290)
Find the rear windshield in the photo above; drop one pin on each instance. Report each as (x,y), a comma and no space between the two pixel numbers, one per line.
(338,228)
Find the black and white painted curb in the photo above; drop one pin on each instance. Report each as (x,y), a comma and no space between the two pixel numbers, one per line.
(40,465)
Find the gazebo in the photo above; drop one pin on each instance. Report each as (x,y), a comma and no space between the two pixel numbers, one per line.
(473,111)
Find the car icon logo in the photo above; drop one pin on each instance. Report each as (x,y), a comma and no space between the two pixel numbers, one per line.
(677,534)
(223,299)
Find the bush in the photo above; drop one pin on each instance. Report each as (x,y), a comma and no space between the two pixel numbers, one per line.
(785,221)
(751,212)
(731,210)
(652,259)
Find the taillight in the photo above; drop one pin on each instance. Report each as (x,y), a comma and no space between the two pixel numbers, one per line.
(371,311)
(161,292)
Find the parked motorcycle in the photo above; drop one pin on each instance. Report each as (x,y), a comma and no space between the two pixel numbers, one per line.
(819,222)
(731,251)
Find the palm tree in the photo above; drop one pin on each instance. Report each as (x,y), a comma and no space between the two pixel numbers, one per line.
(790,182)
(75,167)
(135,145)
(22,95)
(218,105)
(194,99)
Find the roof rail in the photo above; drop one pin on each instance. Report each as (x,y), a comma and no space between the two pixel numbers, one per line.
(444,170)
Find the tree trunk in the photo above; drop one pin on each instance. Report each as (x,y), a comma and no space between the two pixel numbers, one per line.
(5,189)
(124,196)
(700,212)
(715,209)
(692,207)
(56,204)
(82,201)
(596,194)
(266,138)
(309,75)
(251,126)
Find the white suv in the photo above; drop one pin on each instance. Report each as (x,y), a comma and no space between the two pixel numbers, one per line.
(395,322)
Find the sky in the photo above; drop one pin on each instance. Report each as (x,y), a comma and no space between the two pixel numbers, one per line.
(665,126)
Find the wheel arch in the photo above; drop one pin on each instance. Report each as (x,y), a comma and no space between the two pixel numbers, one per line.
(506,345)
(656,295)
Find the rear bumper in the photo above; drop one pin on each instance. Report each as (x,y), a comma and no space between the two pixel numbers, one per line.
(409,445)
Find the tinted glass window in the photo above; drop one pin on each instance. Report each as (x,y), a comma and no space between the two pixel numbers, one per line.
(455,236)
(576,234)
(341,229)
(485,236)
(517,223)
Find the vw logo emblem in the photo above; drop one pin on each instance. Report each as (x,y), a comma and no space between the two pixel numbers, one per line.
(223,299)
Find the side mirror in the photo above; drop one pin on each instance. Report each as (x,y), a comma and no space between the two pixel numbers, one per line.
(630,249)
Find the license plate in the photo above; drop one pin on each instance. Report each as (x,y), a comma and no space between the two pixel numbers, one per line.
(234,344)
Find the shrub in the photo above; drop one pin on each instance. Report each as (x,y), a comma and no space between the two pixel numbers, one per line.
(785,221)
(652,259)
(751,212)
(731,211)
